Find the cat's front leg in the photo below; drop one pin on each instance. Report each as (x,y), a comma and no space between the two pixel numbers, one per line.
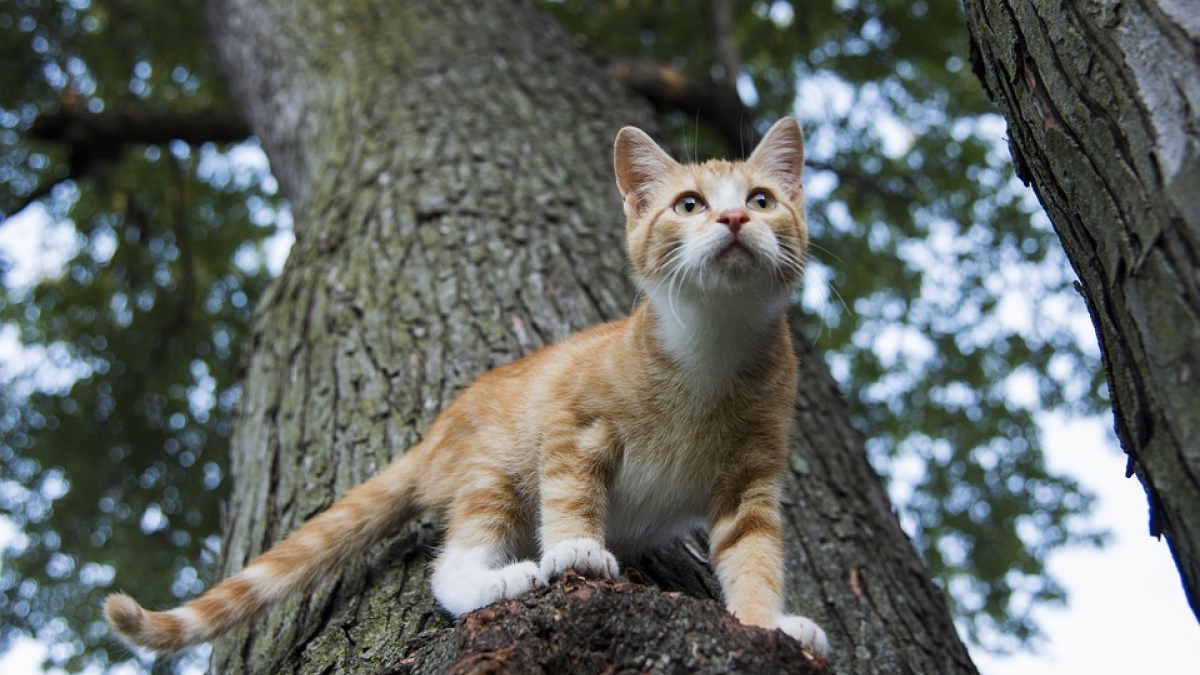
(575,470)
(746,539)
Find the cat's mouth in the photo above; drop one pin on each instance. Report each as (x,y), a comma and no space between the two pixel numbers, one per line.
(735,250)
(742,260)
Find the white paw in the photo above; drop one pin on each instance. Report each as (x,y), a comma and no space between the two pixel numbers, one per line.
(512,581)
(465,589)
(806,631)
(587,556)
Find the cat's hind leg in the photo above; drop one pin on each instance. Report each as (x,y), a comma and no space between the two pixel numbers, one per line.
(477,565)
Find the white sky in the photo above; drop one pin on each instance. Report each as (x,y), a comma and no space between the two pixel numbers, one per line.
(1126,611)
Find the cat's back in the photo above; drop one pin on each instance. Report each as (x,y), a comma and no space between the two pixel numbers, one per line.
(509,403)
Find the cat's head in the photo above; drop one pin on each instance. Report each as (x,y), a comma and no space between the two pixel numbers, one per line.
(716,225)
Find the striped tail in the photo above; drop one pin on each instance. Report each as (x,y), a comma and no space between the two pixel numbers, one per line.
(367,514)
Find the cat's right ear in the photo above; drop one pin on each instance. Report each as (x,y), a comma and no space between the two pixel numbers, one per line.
(639,164)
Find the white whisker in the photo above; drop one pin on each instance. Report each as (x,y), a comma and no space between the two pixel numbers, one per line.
(674,275)
(817,246)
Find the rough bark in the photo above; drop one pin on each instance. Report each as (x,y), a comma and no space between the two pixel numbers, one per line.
(449,164)
(1102,102)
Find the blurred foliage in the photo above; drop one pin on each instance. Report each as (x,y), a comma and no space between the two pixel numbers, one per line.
(119,403)
(938,293)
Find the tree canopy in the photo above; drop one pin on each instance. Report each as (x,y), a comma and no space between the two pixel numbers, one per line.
(936,290)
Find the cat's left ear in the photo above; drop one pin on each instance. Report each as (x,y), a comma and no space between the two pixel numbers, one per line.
(639,164)
(781,152)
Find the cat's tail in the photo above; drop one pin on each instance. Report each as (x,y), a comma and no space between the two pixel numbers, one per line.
(367,514)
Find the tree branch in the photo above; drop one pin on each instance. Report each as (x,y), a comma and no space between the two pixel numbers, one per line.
(113,130)
(670,88)
(92,138)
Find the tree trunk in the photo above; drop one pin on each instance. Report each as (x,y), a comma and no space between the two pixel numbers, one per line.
(449,163)
(1102,102)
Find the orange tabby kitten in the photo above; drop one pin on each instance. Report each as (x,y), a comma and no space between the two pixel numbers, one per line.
(618,439)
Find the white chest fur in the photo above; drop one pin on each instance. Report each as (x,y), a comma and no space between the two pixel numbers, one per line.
(714,337)
(664,484)
(651,503)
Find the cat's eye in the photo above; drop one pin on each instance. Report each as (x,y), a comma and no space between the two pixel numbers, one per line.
(690,205)
(760,200)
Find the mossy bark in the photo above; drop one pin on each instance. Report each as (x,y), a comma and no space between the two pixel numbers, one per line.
(449,165)
(1102,102)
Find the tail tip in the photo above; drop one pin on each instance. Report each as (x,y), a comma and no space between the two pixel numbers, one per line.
(124,614)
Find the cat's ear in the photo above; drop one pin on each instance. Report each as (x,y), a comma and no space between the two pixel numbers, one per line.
(639,164)
(781,152)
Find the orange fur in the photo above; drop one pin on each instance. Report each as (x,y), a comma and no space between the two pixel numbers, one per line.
(619,438)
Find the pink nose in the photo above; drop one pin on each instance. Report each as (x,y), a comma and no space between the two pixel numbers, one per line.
(733,219)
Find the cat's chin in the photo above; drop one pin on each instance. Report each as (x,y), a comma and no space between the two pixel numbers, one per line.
(743,283)
(737,267)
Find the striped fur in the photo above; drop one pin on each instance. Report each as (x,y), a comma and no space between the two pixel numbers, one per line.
(615,440)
